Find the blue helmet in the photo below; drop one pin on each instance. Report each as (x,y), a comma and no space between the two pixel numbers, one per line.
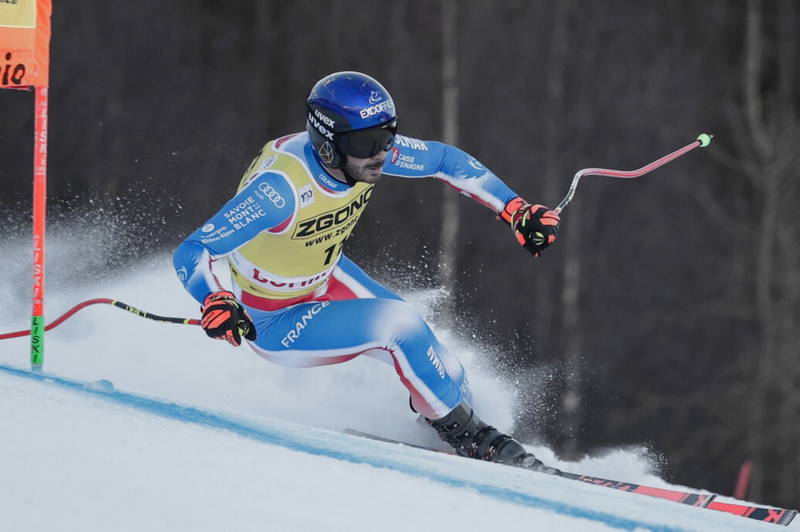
(350,114)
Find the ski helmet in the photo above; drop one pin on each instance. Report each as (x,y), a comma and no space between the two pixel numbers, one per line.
(350,113)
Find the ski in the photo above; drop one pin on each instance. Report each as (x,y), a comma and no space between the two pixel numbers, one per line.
(699,500)
(766,514)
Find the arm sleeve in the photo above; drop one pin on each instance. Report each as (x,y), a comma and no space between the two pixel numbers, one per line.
(268,202)
(412,158)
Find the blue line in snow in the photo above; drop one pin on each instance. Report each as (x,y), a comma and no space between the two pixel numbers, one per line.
(273,436)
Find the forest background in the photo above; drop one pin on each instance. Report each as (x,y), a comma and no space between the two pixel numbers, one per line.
(668,311)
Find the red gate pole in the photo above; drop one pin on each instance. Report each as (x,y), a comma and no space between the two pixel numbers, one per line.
(39,213)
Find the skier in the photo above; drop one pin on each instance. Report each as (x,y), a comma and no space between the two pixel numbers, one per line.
(300,302)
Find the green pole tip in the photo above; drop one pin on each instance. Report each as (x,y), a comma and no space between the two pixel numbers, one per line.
(705,139)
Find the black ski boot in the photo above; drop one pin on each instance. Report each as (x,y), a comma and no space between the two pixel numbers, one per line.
(471,437)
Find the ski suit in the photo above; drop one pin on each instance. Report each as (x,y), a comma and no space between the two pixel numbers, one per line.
(283,234)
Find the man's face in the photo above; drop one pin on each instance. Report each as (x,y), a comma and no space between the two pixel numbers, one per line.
(366,170)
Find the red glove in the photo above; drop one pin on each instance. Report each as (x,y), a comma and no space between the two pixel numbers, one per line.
(535,226)
(224,318)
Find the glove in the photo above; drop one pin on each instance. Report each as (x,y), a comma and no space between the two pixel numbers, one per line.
(224,318)
(535,226)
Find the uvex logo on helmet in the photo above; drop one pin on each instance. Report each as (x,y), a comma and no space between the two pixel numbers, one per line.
(319,121)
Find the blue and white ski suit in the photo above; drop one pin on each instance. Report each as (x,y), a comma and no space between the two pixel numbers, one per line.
(283,234)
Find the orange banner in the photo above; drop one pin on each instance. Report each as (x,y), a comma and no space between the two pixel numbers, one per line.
(25,43)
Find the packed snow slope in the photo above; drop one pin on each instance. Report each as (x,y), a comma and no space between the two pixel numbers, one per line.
(137,425)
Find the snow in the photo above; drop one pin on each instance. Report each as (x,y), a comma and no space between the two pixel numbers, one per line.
(138,425)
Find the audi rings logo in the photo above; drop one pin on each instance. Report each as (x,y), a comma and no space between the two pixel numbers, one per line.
(272,195)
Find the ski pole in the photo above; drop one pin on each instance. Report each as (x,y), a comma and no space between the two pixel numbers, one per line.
(113,302)
(702,141)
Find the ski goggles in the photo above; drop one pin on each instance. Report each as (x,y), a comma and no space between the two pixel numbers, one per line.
(366,143)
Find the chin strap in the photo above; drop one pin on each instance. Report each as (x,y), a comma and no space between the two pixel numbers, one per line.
(348,180)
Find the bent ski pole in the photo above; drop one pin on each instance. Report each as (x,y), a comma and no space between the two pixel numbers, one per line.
(113,302)
(702,141)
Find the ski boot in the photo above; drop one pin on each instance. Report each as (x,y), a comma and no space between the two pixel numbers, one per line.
(471,437)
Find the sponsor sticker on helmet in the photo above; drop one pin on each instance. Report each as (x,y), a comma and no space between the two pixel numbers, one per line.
(326,153)
(387,106)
